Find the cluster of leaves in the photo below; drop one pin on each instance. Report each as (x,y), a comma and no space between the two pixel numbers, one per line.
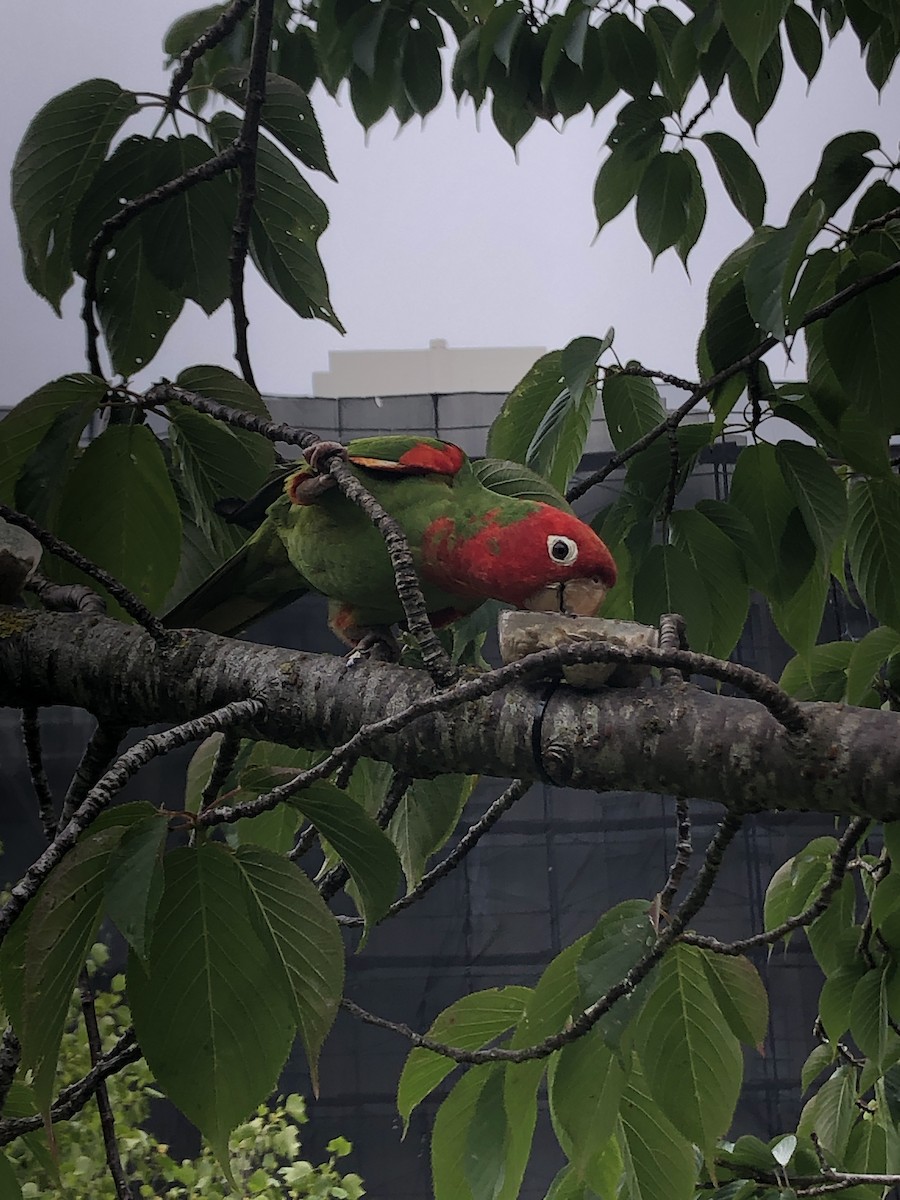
(205,923)
(265,1150)
(621,1109)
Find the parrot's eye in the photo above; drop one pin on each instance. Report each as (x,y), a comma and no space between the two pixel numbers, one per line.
(562,549)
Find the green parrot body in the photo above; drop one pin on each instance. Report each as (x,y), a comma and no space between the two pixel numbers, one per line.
(468,543)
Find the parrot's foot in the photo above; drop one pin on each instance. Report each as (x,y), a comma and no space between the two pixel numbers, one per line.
(378,645)
(318,455)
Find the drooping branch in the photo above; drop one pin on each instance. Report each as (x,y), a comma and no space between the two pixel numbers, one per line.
(675,739)
(107,1120)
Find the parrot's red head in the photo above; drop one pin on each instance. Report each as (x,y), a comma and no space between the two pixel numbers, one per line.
(546,561)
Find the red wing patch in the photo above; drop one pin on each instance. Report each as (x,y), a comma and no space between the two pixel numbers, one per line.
(421,459)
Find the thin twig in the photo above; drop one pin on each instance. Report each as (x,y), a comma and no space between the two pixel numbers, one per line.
(131,604)
(31,738)
(226,756)
(467,843)
(703,390)
(247,142)
(107,1120)
(683,850)
(839,861)
(114,780)
(588,1018)
(98,754)
(211,37)
(74,1097)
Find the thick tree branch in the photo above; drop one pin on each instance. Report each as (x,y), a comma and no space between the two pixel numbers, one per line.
(675,740)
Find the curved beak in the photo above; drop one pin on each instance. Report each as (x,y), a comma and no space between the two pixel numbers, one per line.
(575,598)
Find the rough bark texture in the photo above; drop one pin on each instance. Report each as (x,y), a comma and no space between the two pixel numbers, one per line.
(675,739)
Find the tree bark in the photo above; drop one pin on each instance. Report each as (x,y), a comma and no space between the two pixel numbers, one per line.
(674,739)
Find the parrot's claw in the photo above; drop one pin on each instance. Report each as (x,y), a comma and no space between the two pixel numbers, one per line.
(375,646)
(318,455)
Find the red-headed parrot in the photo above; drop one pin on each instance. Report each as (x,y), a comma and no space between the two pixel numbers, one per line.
(469,544)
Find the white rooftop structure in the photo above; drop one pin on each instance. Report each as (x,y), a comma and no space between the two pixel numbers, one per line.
(439,369)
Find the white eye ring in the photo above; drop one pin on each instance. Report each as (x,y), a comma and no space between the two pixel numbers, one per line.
(562,550)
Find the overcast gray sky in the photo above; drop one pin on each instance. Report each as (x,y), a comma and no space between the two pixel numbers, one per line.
(437,232)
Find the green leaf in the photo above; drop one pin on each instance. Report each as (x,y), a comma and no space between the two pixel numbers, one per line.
(191,1007)
(869,1015)
(586,1085)
(617,942)
(831,1112)
(799,615)
(676,53)
(558,442)
(134,881)
(868,655)
(367,852)
(215,461)
(805,41)
(696,210)
(287,114)
(740,995)
(515,479)
(691,1060)
(819,1058)
(818,491)
(425,819)
(718,563)
(62,148)
(469,1023)
(629,53)
(32,420)
(668,582)
(862,348)
(288,220)
(752,26)
(61,929)
(136,310)
(872,541)
(524,408)
(617,184)
(819,675)
(187,238)
(632,407)
(486,1141)
(449,1137)
(781,559)
(739,174)
(10,1188)
(829,934)
(118,508)
(422,71)
(662,202)
(659,1162)
(303,940)
(753,97)
(842,168)
(772,270)
(579,361)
